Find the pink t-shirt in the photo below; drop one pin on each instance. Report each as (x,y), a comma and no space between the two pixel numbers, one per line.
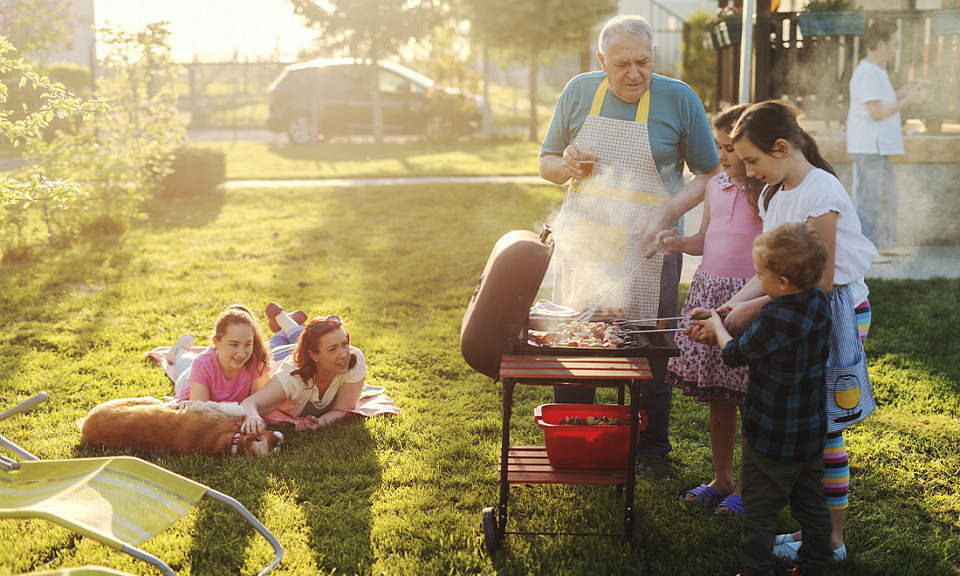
(734,223)
(206,370)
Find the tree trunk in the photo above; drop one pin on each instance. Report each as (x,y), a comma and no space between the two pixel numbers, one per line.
(534,73)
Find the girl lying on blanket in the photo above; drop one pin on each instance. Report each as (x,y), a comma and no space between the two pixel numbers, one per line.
(236,365)
(319,383)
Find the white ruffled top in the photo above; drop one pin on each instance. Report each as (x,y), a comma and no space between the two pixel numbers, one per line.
(819,193)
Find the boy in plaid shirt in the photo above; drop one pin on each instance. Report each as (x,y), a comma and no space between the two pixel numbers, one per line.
(784,412)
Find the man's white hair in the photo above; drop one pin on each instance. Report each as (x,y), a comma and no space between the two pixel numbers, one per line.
(630,25)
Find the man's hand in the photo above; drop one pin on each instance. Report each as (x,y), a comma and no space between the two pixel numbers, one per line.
(560,169)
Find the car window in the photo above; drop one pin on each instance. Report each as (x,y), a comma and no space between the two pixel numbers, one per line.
(392,83)
(341,80)
(355,78)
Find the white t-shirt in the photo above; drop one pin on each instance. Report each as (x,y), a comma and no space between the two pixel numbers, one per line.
(299,394)
(865,135)
(819,193)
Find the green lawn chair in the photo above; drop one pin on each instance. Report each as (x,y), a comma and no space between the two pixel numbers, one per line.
(121,501)
(82,571)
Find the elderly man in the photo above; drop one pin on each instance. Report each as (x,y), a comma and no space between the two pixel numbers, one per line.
(639,128)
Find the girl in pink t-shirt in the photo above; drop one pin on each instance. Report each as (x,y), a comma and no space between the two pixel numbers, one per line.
(725,239)
(237,364)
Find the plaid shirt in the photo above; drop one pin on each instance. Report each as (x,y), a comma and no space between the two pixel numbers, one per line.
(786,348)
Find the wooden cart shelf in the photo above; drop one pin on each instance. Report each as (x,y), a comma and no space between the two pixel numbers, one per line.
(592,370)
(529,465)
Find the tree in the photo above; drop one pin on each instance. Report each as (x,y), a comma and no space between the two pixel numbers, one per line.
(700,63)
(120,157)
(536,27)
(38,28)
(370,29)
(22,126)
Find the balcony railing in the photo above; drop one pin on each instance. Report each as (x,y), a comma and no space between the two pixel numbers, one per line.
(814,72)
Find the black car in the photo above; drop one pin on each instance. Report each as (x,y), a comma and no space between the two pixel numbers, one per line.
(334,96)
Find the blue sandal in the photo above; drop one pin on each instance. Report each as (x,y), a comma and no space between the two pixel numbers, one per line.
(704,494)
(733,503)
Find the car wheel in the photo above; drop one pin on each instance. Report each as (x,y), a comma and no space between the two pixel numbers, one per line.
(300,130)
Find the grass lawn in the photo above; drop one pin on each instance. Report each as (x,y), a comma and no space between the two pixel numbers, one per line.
(403,495)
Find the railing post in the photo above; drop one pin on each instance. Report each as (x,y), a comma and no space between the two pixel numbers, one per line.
(762,49)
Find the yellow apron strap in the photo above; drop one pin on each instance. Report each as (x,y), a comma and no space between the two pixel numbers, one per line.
(643,109)
(598,98)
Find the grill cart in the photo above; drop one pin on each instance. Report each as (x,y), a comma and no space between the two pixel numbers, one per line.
(496,340)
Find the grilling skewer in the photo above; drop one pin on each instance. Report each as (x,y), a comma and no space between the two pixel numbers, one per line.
(642,320)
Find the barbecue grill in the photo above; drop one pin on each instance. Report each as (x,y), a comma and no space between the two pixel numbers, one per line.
(494,340)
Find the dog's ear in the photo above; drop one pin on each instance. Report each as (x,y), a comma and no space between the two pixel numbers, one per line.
(275,440)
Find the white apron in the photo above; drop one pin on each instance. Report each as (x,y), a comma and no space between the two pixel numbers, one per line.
(600,212)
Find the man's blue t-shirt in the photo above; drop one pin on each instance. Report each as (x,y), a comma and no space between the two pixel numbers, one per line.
(677,123)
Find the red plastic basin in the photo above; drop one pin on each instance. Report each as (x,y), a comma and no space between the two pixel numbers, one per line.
(596,447)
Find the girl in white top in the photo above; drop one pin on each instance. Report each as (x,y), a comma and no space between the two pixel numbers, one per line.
(318,383)
(802,187)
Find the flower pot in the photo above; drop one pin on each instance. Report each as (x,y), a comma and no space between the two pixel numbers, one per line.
(946,22)
(709,42)
(833,23)
(729,33)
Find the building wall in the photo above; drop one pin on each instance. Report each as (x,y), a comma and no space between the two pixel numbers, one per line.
(84,37)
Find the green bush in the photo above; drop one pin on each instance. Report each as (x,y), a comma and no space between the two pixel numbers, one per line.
(74,77)
(195,172)
(699,63)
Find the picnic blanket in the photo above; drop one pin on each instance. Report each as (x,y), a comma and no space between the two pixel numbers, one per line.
(373,401)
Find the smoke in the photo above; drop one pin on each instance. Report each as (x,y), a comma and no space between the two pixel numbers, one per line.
(592,264)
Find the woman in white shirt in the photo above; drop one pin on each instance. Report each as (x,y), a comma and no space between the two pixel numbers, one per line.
(318,383)
(874,134)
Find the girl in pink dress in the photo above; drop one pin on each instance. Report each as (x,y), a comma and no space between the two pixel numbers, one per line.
(725,240)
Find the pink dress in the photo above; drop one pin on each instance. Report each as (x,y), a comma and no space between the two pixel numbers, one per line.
(206,370)
(726,266)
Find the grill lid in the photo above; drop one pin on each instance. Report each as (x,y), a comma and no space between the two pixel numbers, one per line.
(501,302)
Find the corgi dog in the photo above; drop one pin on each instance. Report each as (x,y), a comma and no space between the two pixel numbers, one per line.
(149,424)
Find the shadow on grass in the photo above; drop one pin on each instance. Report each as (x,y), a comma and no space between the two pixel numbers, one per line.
(195,212)
(323,482)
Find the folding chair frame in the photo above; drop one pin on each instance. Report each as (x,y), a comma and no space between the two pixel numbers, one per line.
(9,464)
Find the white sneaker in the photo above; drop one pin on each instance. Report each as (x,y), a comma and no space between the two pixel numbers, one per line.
(783,539)
(788,550)
(183,343)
